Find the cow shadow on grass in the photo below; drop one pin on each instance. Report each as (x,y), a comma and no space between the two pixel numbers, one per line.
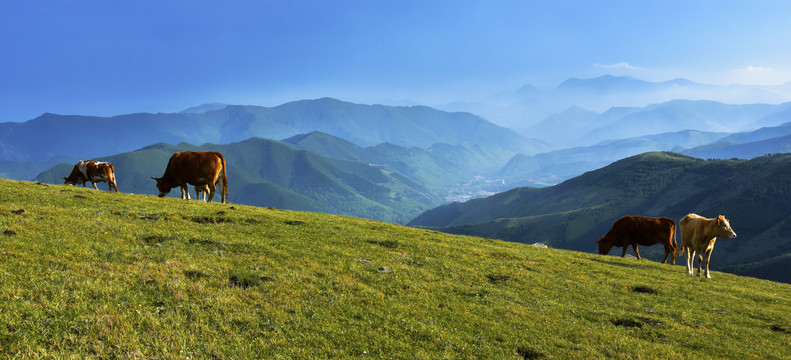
(628,264)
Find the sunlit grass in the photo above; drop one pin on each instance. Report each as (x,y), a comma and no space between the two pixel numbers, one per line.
(94,274)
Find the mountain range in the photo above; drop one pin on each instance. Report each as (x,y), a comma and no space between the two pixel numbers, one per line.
(79,137)
(523,108)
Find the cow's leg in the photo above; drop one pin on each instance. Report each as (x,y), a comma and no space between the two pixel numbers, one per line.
(185,193)
(690,259)
(212,190)
(221,183)
(94,185)
(700,260)
(667,253)
(708,259)
(636,251)
(625,248)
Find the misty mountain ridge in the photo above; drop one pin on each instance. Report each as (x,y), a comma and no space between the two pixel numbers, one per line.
(53,135)
(522,109)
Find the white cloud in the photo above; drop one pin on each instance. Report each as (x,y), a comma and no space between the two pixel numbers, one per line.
(755,69)
(617,66)
(757,75)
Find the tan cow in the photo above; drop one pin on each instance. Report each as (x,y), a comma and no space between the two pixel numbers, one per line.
(93,171)
(698,235)
(203,169)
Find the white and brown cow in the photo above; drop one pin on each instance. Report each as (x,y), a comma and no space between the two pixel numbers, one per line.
(203,169)
(698,235)
(93,171)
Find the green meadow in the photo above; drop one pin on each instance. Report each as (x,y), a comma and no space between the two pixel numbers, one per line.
(92,274)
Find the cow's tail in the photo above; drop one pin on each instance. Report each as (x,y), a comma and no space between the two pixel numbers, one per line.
(681,253)
(224,180)
(112,177)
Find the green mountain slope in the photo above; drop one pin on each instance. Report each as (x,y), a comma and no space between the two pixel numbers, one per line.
(439,168)
(92,274)
(572,215)
(59,135)
(275,174)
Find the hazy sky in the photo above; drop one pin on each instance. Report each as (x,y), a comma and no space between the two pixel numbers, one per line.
(106,57)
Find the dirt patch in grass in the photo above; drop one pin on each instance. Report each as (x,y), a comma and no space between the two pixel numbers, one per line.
(390,244)
(210,220)
(638,321)
(194,241)
(196,274)
(780,329)
(495,278)
(294,222)
(627,323)
(529,354)
(643,290)
(156,239)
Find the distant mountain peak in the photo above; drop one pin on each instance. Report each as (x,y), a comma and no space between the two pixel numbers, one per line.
(204,108)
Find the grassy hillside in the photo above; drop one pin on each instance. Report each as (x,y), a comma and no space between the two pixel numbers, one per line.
(92,274)
(752,194)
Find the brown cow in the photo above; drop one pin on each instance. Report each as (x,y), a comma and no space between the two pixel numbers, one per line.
(698,235)
(203,169)
(643,230)
(93,171)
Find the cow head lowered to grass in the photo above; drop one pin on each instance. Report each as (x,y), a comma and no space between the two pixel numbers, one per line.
(643,230)
(93,171)
(204,169)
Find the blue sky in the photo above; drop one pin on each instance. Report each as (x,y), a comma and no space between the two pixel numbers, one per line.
(107,58)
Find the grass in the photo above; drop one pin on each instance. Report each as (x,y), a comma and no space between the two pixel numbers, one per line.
(90,274)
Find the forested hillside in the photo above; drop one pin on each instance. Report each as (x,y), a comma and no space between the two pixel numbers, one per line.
(753,194)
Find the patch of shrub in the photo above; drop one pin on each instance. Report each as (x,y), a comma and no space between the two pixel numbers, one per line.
(246,279)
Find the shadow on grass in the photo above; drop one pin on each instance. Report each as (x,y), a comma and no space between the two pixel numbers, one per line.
(631,264)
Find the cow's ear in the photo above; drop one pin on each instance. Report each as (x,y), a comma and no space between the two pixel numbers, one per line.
(157,179)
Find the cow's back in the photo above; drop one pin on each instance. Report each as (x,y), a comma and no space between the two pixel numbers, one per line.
(691,226)
(195,167)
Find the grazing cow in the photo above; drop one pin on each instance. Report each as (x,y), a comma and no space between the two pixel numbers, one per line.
(93,171)
(203,169)
(643,230)
(698,235)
